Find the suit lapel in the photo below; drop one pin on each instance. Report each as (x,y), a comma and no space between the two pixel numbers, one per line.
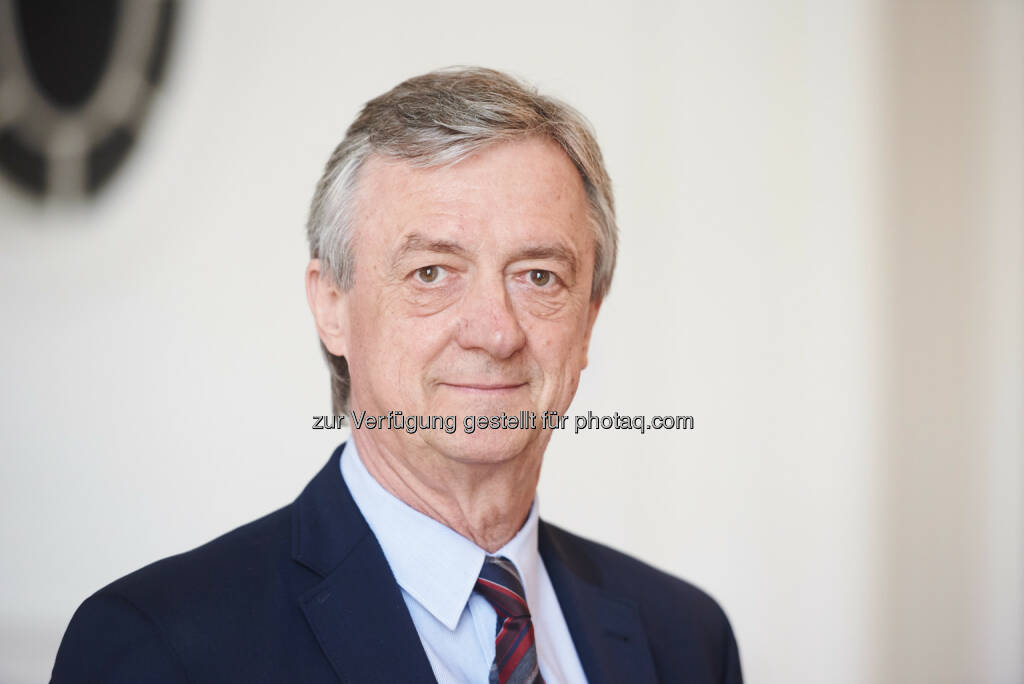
(606,629)
(357,612)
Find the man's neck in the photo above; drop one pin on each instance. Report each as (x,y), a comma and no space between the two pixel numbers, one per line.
(485,502)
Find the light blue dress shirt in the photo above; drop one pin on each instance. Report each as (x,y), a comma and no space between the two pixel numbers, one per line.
(436,569)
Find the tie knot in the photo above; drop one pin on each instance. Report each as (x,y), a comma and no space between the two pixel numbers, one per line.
(499,583)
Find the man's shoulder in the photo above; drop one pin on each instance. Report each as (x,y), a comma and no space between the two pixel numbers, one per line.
(244,555)
(183,609)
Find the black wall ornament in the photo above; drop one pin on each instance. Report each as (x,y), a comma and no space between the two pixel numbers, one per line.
(76,79)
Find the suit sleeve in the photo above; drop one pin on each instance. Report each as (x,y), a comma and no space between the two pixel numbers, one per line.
(110,640)
(731,671)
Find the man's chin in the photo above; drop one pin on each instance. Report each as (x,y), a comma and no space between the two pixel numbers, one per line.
(484,446)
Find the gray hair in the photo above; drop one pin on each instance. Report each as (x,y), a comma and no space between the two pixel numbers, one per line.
(438,119)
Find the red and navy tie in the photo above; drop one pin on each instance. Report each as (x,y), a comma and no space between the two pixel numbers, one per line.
(515,654)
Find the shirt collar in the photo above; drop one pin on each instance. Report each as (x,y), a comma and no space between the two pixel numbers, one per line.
(432,562)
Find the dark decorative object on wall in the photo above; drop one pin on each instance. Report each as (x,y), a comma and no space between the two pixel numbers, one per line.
(76,78)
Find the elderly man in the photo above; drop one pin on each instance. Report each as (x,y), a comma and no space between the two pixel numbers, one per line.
(462,237)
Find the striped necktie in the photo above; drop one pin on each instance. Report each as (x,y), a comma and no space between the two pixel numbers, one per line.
(515,654)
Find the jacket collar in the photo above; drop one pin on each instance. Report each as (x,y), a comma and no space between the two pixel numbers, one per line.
(606,627)
(357,612)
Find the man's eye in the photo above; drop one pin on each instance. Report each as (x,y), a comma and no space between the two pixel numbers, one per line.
(540,277)
(430,274)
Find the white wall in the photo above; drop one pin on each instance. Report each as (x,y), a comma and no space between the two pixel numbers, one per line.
(806,268)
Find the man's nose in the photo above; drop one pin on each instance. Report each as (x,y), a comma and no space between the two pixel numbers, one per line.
(489,321)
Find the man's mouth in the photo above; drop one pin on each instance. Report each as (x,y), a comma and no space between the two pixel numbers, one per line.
(484,386)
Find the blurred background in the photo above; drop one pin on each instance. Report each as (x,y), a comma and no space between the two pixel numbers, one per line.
(822,261)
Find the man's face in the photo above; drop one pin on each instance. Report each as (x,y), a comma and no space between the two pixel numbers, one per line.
(471,295)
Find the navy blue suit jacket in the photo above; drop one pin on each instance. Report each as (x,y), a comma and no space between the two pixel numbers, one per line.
(305,594)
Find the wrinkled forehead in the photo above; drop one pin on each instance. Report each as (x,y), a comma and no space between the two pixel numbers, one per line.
(517,191)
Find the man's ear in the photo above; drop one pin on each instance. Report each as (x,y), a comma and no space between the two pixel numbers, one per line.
(594,307)
(329,305)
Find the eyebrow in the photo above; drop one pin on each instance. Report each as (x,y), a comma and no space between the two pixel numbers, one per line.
(554,252)
(417,242)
